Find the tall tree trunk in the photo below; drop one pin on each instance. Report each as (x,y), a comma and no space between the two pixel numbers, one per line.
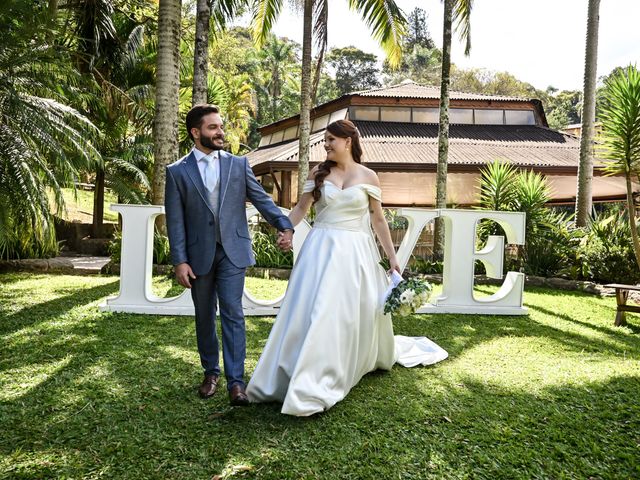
(165,123)
(201,53)
(305,98)
(585,167)
(98,205)
(443,128)
(53,9)
(632,218)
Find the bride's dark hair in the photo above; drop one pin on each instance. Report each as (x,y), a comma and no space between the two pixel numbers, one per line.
(341,129)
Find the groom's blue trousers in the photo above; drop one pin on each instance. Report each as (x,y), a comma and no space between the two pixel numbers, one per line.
(223,284)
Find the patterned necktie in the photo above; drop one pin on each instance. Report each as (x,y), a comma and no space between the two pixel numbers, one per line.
(209,172)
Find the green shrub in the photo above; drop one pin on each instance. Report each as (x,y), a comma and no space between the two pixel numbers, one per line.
(605,253)
(425,265)
(161,250)
(267,253)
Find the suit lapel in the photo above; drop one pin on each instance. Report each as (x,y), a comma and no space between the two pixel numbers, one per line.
(191,167)
(226,165)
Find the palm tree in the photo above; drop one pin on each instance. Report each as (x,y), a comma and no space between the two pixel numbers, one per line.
(383,17)
(200,52)
(44,142)
(621,136)
(278,64)
(221,11)
(120,84)
(460,12)
(165,125)
(585,167)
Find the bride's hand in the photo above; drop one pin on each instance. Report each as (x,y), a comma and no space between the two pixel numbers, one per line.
(394,265)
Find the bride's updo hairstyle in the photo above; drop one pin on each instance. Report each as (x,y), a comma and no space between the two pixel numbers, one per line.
(340,129)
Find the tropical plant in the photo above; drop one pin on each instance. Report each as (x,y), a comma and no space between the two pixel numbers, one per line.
(267,254)
(44,143)
(548,234)
(605,252)
(112,51)
(276,69)
(383,17)
(585,166)
(620,141)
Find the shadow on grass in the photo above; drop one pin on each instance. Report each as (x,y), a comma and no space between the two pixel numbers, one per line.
(458,333)
(124,405)
(41,312)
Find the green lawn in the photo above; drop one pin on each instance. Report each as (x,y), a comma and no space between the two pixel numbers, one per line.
(84,394)
(79,205)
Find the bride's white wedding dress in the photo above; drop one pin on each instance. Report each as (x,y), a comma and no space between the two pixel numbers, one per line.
(331,329)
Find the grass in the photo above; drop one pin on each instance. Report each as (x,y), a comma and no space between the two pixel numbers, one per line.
(79,205)
(84,394)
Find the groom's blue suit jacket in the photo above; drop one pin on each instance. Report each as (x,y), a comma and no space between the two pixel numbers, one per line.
(191,221)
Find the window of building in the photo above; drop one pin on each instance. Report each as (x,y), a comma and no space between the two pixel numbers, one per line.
(277,137)
(320,123)
(461,116)
(290,133)
(338,115)
(395,114)
(364,113)
(489,117)
(265,140)
(520,117)
(426,115)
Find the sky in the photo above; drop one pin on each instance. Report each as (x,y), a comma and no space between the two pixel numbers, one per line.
(541,42)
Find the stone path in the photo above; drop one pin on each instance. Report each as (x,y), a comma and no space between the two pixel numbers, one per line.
(85,264)
(70,263)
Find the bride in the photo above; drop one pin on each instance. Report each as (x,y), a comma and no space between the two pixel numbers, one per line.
(331,329)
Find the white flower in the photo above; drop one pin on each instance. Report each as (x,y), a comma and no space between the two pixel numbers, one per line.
(404,311)
(424,297)
(407,297)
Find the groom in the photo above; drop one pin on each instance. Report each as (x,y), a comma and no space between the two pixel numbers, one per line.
(205,208)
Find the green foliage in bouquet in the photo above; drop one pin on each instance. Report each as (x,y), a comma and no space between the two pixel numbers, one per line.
(407,297)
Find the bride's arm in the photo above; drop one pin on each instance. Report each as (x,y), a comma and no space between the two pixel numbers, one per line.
(381,227)
(300,210)
(302,207)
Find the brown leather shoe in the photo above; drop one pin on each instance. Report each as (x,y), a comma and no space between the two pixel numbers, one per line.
(237,396)
(208,387)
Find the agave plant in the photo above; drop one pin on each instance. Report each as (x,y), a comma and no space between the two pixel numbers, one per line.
(620,138)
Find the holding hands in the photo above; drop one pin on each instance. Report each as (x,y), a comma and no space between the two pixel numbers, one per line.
(285,240)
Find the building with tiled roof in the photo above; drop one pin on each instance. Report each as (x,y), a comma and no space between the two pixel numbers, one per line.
(399,132)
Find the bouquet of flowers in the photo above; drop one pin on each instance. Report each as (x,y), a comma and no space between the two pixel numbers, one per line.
(407,296)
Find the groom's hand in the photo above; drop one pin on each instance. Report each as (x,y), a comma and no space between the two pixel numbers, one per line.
(285,240)
(184,274)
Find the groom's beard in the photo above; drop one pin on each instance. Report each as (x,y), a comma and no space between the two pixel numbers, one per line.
(208,142)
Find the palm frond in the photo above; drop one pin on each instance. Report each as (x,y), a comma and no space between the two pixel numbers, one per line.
(387,23)
(498,186)
(462,19)
(620,116)
(265,14)
(320,32)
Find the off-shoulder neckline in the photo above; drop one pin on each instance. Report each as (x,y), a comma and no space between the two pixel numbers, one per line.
(351,186)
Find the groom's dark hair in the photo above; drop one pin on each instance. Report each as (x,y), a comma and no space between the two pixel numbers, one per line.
(195,115)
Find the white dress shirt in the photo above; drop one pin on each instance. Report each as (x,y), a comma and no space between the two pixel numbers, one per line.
(202,163)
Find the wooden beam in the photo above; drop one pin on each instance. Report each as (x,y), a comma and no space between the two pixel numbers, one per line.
(285,194)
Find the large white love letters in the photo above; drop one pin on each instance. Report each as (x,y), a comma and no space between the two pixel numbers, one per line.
(460,255)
